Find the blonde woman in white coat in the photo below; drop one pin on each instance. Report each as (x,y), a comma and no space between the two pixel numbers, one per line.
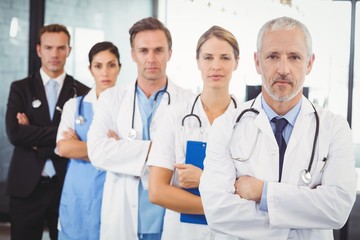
(184,132)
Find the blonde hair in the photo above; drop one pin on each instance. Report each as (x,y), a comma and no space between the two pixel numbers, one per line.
(219,33)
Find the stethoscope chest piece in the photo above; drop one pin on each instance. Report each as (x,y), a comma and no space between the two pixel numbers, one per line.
(80,120)
(131,134)
(305,176)
(36,103)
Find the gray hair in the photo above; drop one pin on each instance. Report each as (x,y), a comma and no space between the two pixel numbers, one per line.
(284,23)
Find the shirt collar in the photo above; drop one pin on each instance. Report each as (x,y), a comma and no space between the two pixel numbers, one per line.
(59,79)
(289,116)
(142,96)
(91,96)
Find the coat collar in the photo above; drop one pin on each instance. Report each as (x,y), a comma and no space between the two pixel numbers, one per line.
(303,119)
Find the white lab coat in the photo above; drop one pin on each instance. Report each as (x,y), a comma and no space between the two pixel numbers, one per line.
(295,211)
(123,160)
(169,147)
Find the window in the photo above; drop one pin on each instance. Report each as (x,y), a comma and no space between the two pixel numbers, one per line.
(92,21)
(13,64)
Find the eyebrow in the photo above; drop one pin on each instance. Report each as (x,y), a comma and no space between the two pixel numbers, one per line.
(149,48)
(97,62)
(56,46)
(223,54)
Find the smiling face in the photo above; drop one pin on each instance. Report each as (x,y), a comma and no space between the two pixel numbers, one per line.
(216,63)
(105,69)
(283,63)
(53,51)
(151,53)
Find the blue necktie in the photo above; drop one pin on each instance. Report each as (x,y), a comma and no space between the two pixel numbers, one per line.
(280,125)
(51,94)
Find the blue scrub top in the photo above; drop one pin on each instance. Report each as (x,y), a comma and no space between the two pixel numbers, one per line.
(80,204)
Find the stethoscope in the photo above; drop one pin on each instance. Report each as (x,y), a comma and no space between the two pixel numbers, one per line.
(36,103)
(132,134)
(80,119)
(192,114)
(305,174)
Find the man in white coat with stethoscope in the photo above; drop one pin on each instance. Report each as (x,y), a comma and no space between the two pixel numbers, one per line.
(279,168)
(119,138)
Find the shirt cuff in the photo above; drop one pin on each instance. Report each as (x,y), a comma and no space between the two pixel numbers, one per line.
(263,201)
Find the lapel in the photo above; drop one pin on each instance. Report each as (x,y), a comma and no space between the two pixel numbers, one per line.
(303,121)
(138,124)
(124,111)
(262,121)
(43,111)
(171,89)
(67,92)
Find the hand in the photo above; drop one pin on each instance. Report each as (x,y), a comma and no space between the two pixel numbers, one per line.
(113,134)
(22,119)
(249,188)
(189,175)
(70,135)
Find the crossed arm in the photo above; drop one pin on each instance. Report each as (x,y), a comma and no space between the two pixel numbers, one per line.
(249,188)
(163,193)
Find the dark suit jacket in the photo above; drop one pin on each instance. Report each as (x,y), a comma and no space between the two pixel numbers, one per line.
(34,143)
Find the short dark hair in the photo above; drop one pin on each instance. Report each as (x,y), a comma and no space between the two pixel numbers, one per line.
(104,46)
(57,28)
(146,24)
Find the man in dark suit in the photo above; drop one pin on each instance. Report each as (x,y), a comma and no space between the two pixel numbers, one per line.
(36,173)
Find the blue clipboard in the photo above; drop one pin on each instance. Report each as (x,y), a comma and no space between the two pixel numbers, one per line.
(195,155)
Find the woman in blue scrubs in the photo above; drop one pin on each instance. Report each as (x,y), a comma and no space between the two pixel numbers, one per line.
(80,204)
